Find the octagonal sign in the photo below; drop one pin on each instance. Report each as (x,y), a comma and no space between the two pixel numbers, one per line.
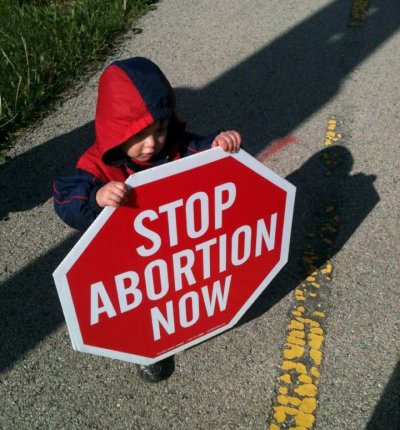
(195,245)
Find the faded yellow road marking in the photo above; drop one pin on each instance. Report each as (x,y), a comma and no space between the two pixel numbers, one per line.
(358,14)
(330,137)
(296,400)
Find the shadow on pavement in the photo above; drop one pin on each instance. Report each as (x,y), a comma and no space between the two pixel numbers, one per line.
(26,180)
(29,305)
(340,200)
(265,97)
(281,85)
(387,412)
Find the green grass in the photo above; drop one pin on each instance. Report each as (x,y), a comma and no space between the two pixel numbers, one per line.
(46,45)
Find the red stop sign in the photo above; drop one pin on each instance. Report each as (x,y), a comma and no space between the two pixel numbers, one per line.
(182,261)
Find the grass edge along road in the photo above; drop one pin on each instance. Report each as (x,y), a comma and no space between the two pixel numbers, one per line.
(47,45)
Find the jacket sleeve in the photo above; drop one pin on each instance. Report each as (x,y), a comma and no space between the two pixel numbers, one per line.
(195,143)
(75,199)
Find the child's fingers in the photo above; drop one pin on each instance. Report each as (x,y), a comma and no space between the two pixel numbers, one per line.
(120,190)
(114,199)
(118,193)
(228,140)
(119,186)
(234,140)
(112,194)
(237,139)
(222,141)
(218,141)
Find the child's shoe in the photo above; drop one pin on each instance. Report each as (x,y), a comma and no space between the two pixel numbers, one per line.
(156,372)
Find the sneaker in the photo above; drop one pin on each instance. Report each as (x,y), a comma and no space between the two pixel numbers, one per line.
(156,372)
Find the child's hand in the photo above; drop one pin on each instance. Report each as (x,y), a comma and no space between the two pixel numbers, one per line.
(112,194)
(228,140)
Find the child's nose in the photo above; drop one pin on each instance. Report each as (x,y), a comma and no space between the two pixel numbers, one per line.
(150,142)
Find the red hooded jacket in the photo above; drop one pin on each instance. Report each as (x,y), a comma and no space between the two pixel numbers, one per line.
(132,95)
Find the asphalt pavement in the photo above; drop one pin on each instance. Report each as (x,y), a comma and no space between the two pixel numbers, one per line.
(314,89)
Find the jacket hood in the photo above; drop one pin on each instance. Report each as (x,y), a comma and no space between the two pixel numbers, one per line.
(132,95)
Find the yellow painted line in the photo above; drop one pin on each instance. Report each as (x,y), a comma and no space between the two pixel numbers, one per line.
(296,395)
(359,11)
(331,137)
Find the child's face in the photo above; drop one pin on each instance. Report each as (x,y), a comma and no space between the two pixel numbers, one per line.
(148,143)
